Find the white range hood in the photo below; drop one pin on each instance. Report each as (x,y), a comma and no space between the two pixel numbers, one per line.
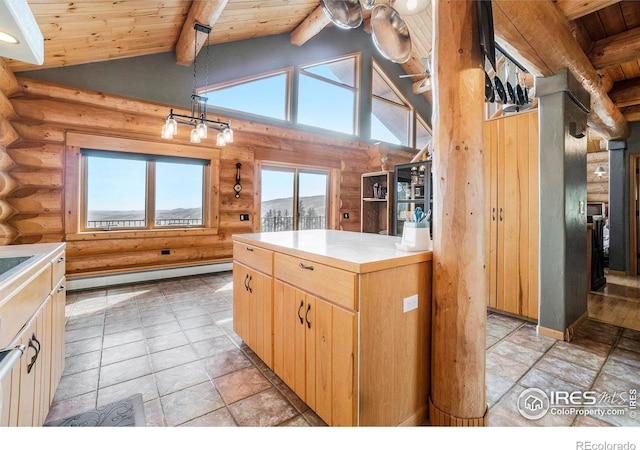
(16,20)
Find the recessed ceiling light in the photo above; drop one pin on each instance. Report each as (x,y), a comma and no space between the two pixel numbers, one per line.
(7,38)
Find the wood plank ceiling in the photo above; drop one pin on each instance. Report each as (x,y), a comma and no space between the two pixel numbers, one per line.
(79,32)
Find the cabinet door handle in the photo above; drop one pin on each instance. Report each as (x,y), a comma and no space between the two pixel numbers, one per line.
(493,214)
(61,259)
(61,288)
(302,266)
(37,349)
(306,316)
(249,249)
(300,309)
(249,284)
(246,285)
(500,214)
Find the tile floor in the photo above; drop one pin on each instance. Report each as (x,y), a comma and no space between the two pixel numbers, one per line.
(173,341)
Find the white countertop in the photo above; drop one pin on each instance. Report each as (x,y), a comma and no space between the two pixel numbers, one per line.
(357,252)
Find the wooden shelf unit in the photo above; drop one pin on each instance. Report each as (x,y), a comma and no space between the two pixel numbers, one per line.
(375,216)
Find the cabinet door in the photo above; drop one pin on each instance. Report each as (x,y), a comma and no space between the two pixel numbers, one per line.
(58,302)
(252,310)
(28,401)
(289,337)
(330,361)
(512,196)
(43,365)
(260,316)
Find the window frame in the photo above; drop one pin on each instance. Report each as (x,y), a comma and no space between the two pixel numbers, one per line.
(74,176)
(376,68)
(295,169)
(356,89)
(150,189)
(288,101)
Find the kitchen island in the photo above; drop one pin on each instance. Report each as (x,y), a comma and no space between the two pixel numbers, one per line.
(343,318)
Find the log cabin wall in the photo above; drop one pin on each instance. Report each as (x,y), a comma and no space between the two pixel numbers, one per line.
(42,163)
(8,135)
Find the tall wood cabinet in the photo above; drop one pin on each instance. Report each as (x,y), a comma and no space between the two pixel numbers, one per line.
(512,202)
(376,202)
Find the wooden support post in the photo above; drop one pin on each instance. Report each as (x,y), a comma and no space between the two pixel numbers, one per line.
(459,275)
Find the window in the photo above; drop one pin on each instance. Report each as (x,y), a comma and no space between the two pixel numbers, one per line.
(391,115)
(266,95)
(423,133)
(134,191)
(328,95)
(294,199)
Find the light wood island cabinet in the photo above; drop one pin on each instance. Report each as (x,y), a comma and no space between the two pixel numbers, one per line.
(349,318)
(32,309)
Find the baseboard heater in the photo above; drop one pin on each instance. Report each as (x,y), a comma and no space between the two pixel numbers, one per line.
(104,281)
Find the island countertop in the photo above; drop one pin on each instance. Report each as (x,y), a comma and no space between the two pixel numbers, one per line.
(348,250)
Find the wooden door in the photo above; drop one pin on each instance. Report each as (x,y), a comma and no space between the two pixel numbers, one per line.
(331,345)
(28,385)
(241,275)
(289,336)
(512,196)
(58,302)
(491,200)
(43,364)
(260,316)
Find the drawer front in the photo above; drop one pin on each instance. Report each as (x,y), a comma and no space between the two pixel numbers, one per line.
(58,265)
(335,285)
(19,309)
(254,257)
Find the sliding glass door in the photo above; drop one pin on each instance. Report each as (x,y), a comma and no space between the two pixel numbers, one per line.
(294,199)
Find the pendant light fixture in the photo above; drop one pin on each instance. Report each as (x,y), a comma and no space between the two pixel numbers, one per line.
(198,119)
(410,7)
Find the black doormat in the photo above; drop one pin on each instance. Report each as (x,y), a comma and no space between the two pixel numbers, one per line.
(123,413)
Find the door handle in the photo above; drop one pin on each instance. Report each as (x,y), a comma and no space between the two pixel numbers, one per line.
(306,316)
(299,309)
(246,284)
(302,266)
(37,349)
(493,214)
(249,284)
(500,214)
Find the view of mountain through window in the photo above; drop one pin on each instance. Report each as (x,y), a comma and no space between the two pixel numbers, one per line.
(118,192)
(286,208)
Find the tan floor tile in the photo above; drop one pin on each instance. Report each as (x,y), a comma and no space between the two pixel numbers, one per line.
(145,385)
(567,371)
(180,377)
(185,405)
(219,418)
(123,352)
(172,357)
(265,409)
(225,362)
(574,354)
(124,371)
(241,384)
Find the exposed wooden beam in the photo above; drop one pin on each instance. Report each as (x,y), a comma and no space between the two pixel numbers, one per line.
(632,113)
(523,29)
(626,93)
(8,83)
(617,49)
(205,12)
(459,290)
(313,24)
(574,9)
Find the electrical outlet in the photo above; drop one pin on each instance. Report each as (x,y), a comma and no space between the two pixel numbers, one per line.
(410,303)
(345,215)
(244,217)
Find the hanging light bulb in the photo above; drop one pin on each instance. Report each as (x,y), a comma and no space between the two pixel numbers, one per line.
(411,4)
(172,125)
(166,132)
(220,140)
(202,130)
(228,135)
(195,136)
